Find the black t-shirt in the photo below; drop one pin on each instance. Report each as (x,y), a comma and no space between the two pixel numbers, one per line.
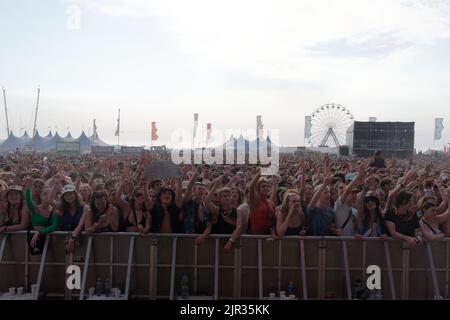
(403,224)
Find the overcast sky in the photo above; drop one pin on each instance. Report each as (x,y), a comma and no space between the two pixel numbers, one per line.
(228,61)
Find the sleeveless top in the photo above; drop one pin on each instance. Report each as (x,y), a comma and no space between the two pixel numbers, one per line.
(70,222)
(431,228)
(262,219)
(128,223)
(5,219)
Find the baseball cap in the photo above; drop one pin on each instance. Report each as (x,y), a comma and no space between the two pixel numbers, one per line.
(68,188)
(165,189)
(15,188)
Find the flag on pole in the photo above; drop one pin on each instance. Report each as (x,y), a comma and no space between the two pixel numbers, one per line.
(208,132)
(118,126)
(195,124)
(372,119)
(438,127)
(154,131)
(308,126)
(259,127)
(94,131)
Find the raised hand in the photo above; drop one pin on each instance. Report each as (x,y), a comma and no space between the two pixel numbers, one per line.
(410,176)
(327,180)
(28,182)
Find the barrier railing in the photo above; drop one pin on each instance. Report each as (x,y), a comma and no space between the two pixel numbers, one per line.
(150,266)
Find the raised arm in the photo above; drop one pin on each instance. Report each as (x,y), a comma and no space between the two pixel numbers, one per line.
(275,185)
(354,183)
(209,204)
(317,194)
(400,186)
(303,180)
(178,193)
(147,199)
(360,204)
(53,192)
(188,195)
(443,218)
(282,226)
(253,196)
(119,197)
(29,197)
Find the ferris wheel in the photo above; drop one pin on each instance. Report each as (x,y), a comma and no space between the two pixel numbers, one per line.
(329,121)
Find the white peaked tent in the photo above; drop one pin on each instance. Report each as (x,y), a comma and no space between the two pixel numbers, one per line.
(69,137)
(85,142)
(11,143)
(25,140)
(39,142)
(47,143)
(50,145)
(98,142)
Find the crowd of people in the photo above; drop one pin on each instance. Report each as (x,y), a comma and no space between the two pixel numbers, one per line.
(310,196)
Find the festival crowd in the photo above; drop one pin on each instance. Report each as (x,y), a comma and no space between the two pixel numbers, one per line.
(312,195)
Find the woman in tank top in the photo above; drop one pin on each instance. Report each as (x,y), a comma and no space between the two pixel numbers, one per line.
(262,211)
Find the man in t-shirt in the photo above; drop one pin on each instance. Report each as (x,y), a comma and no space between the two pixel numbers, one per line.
(195,217)
(345,214)
(401,221)
(320,215)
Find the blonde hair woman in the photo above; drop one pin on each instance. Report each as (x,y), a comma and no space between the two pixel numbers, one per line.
(290,216)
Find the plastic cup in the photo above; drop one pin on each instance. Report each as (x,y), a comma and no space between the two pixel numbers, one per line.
(12,291)
(272,296)
(20,291)
(91,292)
(117,293)
(33,289)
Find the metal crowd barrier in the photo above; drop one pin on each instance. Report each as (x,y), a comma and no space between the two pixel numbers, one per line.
(151,266)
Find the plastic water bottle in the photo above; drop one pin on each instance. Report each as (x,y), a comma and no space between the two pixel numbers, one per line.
(99,287)
(107,287)
(184,286)
(291,289)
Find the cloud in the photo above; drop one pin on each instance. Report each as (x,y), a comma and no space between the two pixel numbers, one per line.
(384,56)
(272,38)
